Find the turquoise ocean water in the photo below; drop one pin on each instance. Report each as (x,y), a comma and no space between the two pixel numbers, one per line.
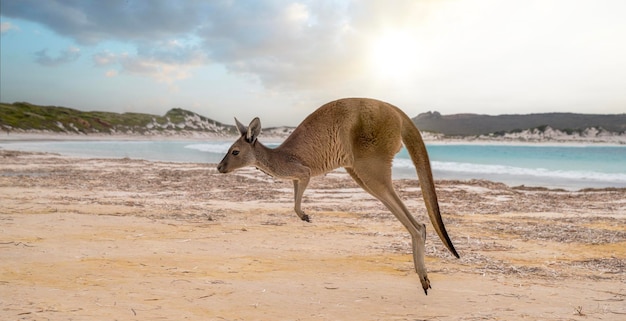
(569,167)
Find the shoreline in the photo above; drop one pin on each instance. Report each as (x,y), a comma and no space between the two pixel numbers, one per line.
(399,174)
(194,136)
(514,177)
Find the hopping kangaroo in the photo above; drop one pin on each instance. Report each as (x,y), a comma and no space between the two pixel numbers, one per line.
(361,135)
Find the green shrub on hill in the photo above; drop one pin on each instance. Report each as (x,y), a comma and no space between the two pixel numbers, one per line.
(26,116)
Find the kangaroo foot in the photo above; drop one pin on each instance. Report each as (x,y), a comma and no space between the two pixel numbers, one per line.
(301,214)
(425,284)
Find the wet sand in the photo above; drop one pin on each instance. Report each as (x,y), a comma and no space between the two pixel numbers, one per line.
(121,239)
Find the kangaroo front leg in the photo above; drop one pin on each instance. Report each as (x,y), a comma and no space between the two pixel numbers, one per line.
(299,185)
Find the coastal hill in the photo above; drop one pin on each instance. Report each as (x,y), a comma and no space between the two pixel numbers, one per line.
(476,125)
(25,117)
(21,117)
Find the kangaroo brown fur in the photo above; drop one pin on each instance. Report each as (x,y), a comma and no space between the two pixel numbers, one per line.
(362,135)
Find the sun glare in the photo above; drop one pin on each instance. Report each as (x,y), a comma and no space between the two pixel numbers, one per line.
(393,55)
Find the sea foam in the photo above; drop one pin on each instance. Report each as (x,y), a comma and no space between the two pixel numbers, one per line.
(469,168)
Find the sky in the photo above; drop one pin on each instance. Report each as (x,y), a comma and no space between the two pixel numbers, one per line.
(280,60)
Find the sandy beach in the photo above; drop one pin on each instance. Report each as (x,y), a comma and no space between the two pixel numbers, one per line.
(122,239)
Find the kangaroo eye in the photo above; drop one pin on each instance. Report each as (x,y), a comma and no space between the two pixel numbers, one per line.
(235,152)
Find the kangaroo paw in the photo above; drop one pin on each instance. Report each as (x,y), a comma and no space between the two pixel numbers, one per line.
(306,218)
(425,284)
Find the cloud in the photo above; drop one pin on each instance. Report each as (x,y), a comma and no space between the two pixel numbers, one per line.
(111,73)
(163,61)
(7,26)
(104,58)
(91,22)
(158,70)
(69,55)
(471,48)
(283,44)
(293,46)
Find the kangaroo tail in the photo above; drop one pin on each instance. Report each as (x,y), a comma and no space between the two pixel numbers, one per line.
(417,150)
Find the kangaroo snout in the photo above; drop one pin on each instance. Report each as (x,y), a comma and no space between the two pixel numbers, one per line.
(221,168)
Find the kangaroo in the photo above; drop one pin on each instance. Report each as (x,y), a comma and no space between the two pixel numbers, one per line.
(361,135)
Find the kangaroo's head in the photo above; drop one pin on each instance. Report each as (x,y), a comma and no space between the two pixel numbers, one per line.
(241,153)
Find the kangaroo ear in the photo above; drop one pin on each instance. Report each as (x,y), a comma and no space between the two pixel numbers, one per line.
(253,130)
(242,129)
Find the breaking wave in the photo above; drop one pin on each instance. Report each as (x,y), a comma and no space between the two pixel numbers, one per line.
(468,168)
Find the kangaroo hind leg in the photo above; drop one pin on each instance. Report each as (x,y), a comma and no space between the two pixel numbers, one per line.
(375,178)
